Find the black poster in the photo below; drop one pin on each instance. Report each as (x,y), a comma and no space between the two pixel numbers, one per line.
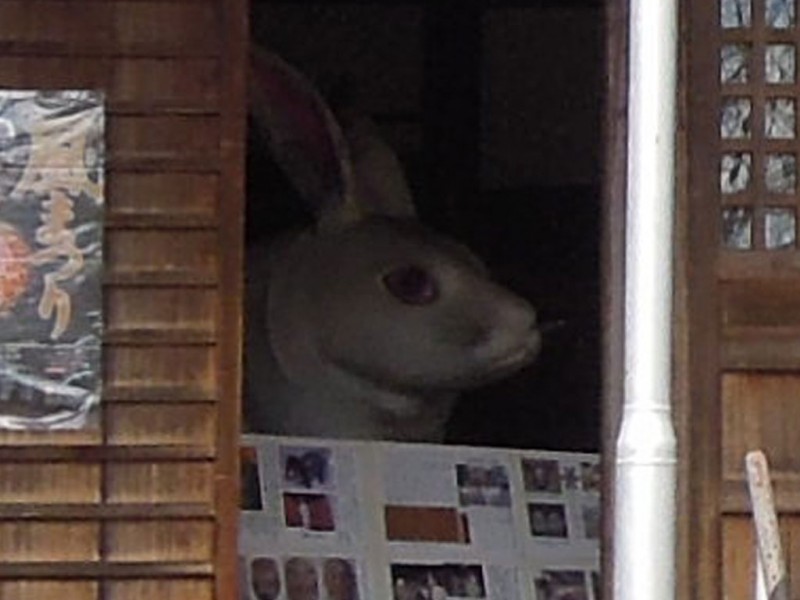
(51,239)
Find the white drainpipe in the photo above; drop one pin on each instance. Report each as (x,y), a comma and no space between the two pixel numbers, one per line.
(644,526)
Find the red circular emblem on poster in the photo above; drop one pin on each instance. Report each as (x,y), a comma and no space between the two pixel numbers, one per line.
(14,266)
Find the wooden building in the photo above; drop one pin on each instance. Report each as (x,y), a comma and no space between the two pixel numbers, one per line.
(146,505)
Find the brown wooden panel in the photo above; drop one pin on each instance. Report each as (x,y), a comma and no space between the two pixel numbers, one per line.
(104,570)
(151,140)
(25,541)
(790,536)
(762,348)
(761,324)
(169,482)
(49,590)
(758,264)
(156,541)
(738,558)
(166,253)
(120,27)
(142,83)
(47,482)
(760,411)
(162,589)
(96,453)
(785,487)
(159,194)
(161,368)
(103,512)
(161,309)
(761,303)
(129,83)
(59,438)
(128,393)
(161,424)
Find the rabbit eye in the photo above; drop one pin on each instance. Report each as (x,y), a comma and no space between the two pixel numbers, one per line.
(412,285)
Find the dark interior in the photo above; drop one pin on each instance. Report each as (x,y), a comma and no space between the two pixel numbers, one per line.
(495,110)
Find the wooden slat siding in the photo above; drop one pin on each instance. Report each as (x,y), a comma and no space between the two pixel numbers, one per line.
(26,484)
(162,424)
(158,394)
(148,505)
(161,590)
(158,139)
(22,542)
(138,311)
(164,482)
(164,541)
(48,590)
(189,254)
(164,368)
(104,512)
(51,448)
(169,196)
(132,336)
(105,571)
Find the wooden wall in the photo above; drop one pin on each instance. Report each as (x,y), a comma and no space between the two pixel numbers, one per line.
(146,506)
(738,354)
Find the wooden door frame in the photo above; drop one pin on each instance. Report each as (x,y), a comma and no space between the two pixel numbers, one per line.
(235,52)
(613,261)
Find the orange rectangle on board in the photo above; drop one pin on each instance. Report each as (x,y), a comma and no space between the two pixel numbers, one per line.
(426,524)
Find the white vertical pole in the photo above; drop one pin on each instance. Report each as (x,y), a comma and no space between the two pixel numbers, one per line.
(644,528)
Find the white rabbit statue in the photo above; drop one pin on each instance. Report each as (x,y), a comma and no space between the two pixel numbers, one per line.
(366,325)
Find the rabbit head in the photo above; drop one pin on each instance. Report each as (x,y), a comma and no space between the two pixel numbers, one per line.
(366,324)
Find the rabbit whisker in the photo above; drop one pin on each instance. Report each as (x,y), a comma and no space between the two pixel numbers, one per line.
(551,326)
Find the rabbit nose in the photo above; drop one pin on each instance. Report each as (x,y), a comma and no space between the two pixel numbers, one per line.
(519,320)
(524,315)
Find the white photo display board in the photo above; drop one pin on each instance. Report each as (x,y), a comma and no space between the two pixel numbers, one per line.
(341,520)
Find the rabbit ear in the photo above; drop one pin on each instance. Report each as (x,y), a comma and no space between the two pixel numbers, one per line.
(379,181)
(303,137)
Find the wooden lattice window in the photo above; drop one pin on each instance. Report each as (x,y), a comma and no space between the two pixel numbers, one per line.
(757,129)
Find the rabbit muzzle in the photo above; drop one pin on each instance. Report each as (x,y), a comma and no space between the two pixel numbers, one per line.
(514,342)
